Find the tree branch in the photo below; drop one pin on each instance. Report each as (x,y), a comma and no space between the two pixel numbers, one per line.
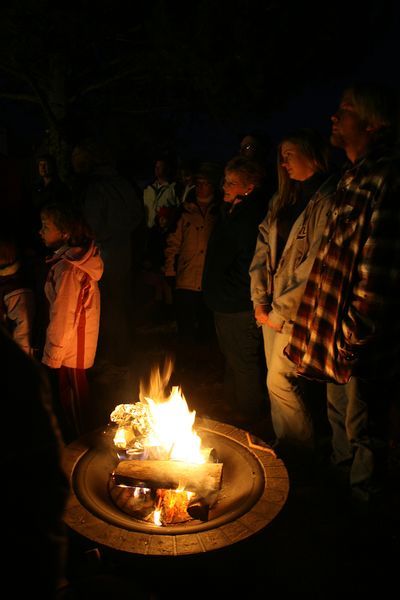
(19,97)
(104,83)
(41,97)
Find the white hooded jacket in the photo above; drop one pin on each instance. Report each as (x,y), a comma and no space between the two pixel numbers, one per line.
(73,293)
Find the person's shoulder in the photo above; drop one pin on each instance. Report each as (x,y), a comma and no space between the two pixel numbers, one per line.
(329,184)
(383,159)
(149,187)
(381,174)
(61,266)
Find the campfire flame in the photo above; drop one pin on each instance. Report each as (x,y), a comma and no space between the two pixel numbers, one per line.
(172,429)
(161,427)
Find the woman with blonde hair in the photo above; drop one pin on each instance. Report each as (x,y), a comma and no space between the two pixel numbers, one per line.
(287,243)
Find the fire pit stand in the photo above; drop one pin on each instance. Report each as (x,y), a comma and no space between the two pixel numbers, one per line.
(255,487)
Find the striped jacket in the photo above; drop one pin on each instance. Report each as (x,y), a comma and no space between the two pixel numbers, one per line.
(348,322)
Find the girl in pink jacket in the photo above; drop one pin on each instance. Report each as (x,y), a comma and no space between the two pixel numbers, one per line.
(74,311)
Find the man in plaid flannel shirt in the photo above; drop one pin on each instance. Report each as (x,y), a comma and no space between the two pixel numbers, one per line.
(347,329)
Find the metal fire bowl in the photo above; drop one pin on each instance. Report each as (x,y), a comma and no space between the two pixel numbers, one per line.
(255,487)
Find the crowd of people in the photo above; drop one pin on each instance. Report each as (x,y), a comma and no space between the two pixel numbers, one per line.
(299,280)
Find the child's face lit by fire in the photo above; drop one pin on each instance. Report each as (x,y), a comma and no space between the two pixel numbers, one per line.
(51,235)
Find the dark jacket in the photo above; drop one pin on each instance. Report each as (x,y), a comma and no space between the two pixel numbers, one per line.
(226,280)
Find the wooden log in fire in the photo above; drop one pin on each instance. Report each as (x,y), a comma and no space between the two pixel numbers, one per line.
(204,480)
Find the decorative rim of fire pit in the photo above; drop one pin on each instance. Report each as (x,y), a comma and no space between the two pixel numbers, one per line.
(266,493)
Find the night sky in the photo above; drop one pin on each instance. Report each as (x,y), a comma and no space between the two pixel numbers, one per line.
(304,76)
(314,103)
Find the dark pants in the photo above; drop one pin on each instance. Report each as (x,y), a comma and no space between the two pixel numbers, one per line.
(71,401)
(358,415)
(114,343)
(241,344)
(194,319)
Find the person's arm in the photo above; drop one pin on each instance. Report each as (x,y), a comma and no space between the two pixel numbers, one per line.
(20,310)
(173,248)
(261,313)
(260,277)
(375,296)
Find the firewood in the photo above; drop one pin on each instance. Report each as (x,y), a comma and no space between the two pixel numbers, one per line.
(204,480)
(199,511)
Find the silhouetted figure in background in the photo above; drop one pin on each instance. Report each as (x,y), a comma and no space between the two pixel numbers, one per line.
(185,254)
(161,204)
(257,147)
(185,179)
(48,187)
(114,211)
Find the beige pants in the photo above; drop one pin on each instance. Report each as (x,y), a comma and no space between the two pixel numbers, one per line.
(290,418)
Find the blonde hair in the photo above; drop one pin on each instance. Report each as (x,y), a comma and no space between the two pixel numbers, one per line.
(313,146)
(248,170)
(377,106)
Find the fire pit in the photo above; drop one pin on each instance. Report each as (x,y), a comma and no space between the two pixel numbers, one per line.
(160,483)
(254,489)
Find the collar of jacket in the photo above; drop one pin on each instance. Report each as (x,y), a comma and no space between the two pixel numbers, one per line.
(238,204)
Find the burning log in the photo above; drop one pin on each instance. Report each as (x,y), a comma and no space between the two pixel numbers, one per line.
(134,501)
(172,506)
(202,479)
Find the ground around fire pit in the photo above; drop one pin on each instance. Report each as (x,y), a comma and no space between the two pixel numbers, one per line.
(318,546)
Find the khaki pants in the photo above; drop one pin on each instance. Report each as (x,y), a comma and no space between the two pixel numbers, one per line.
(290,417)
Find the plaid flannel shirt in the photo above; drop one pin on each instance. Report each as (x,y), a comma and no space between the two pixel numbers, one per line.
(348,322)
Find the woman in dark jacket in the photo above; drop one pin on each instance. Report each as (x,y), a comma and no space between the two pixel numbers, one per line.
(226,289)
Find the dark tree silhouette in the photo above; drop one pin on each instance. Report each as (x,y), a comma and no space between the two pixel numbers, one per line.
(79,58)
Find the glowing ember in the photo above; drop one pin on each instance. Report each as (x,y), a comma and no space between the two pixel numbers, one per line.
(172,506)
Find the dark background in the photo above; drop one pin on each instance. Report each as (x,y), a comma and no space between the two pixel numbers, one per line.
(192,77)
(152,75)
